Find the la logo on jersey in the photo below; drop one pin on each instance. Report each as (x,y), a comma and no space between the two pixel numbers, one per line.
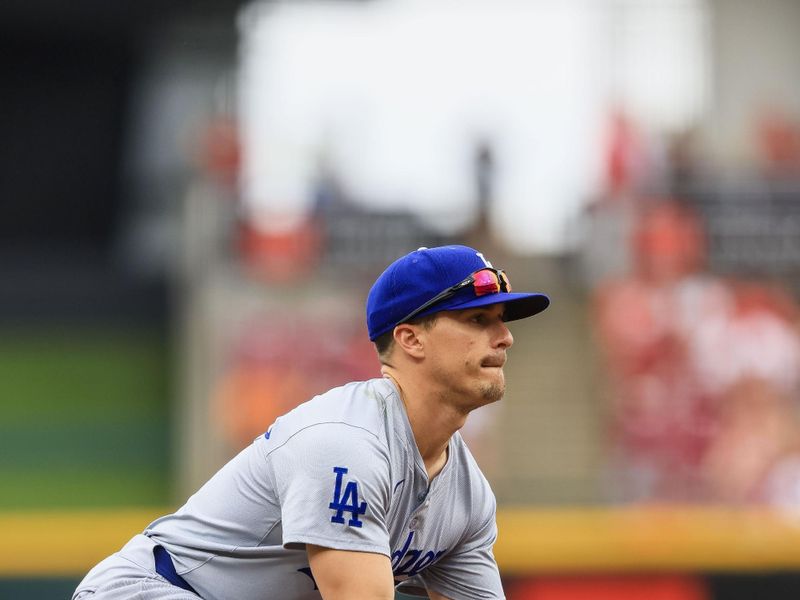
(346,501)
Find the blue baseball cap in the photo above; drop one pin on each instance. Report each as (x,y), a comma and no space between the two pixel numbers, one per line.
(417,278)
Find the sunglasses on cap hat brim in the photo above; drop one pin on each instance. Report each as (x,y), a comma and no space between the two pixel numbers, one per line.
(484,281)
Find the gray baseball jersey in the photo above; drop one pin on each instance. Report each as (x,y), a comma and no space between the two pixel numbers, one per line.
(341,471)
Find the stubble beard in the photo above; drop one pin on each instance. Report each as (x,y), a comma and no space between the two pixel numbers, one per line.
(492,389)
(484,392)
(493,392)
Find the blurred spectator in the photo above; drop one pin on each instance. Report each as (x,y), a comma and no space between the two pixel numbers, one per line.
(271,369)
(485,172)
(218,149)
(749,355)
(662,418)
(683,163)
(281,255)
(608,219)
(758,440)
(778,142)
(703,373)
(625,160)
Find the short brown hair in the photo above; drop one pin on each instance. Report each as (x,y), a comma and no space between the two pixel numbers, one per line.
(384,343)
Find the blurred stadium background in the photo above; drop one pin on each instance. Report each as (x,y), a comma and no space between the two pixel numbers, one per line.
(196,196)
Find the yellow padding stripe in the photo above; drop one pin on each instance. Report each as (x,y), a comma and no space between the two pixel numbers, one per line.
(65,543)
(646,539)
(590,540)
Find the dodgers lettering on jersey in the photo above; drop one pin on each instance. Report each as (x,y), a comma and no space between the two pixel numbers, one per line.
(408,562)
(341,471)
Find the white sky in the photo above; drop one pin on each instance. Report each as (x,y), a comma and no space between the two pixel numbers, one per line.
(395,93)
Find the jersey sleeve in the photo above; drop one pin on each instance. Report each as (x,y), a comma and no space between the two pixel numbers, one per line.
(332,482)
(470,571)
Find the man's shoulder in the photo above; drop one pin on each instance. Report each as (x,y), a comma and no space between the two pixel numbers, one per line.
(352,403)
(368,392)
(359,405)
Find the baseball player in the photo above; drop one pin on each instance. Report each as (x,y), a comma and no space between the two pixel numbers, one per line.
(364,489)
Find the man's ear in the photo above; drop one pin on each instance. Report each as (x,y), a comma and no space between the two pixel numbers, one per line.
(407,338)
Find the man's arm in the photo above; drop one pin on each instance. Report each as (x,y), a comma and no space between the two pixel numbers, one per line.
(345,574)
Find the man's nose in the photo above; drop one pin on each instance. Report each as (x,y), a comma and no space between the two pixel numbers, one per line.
(505,339)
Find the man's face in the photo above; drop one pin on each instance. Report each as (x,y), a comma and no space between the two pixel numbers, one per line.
(465,351)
